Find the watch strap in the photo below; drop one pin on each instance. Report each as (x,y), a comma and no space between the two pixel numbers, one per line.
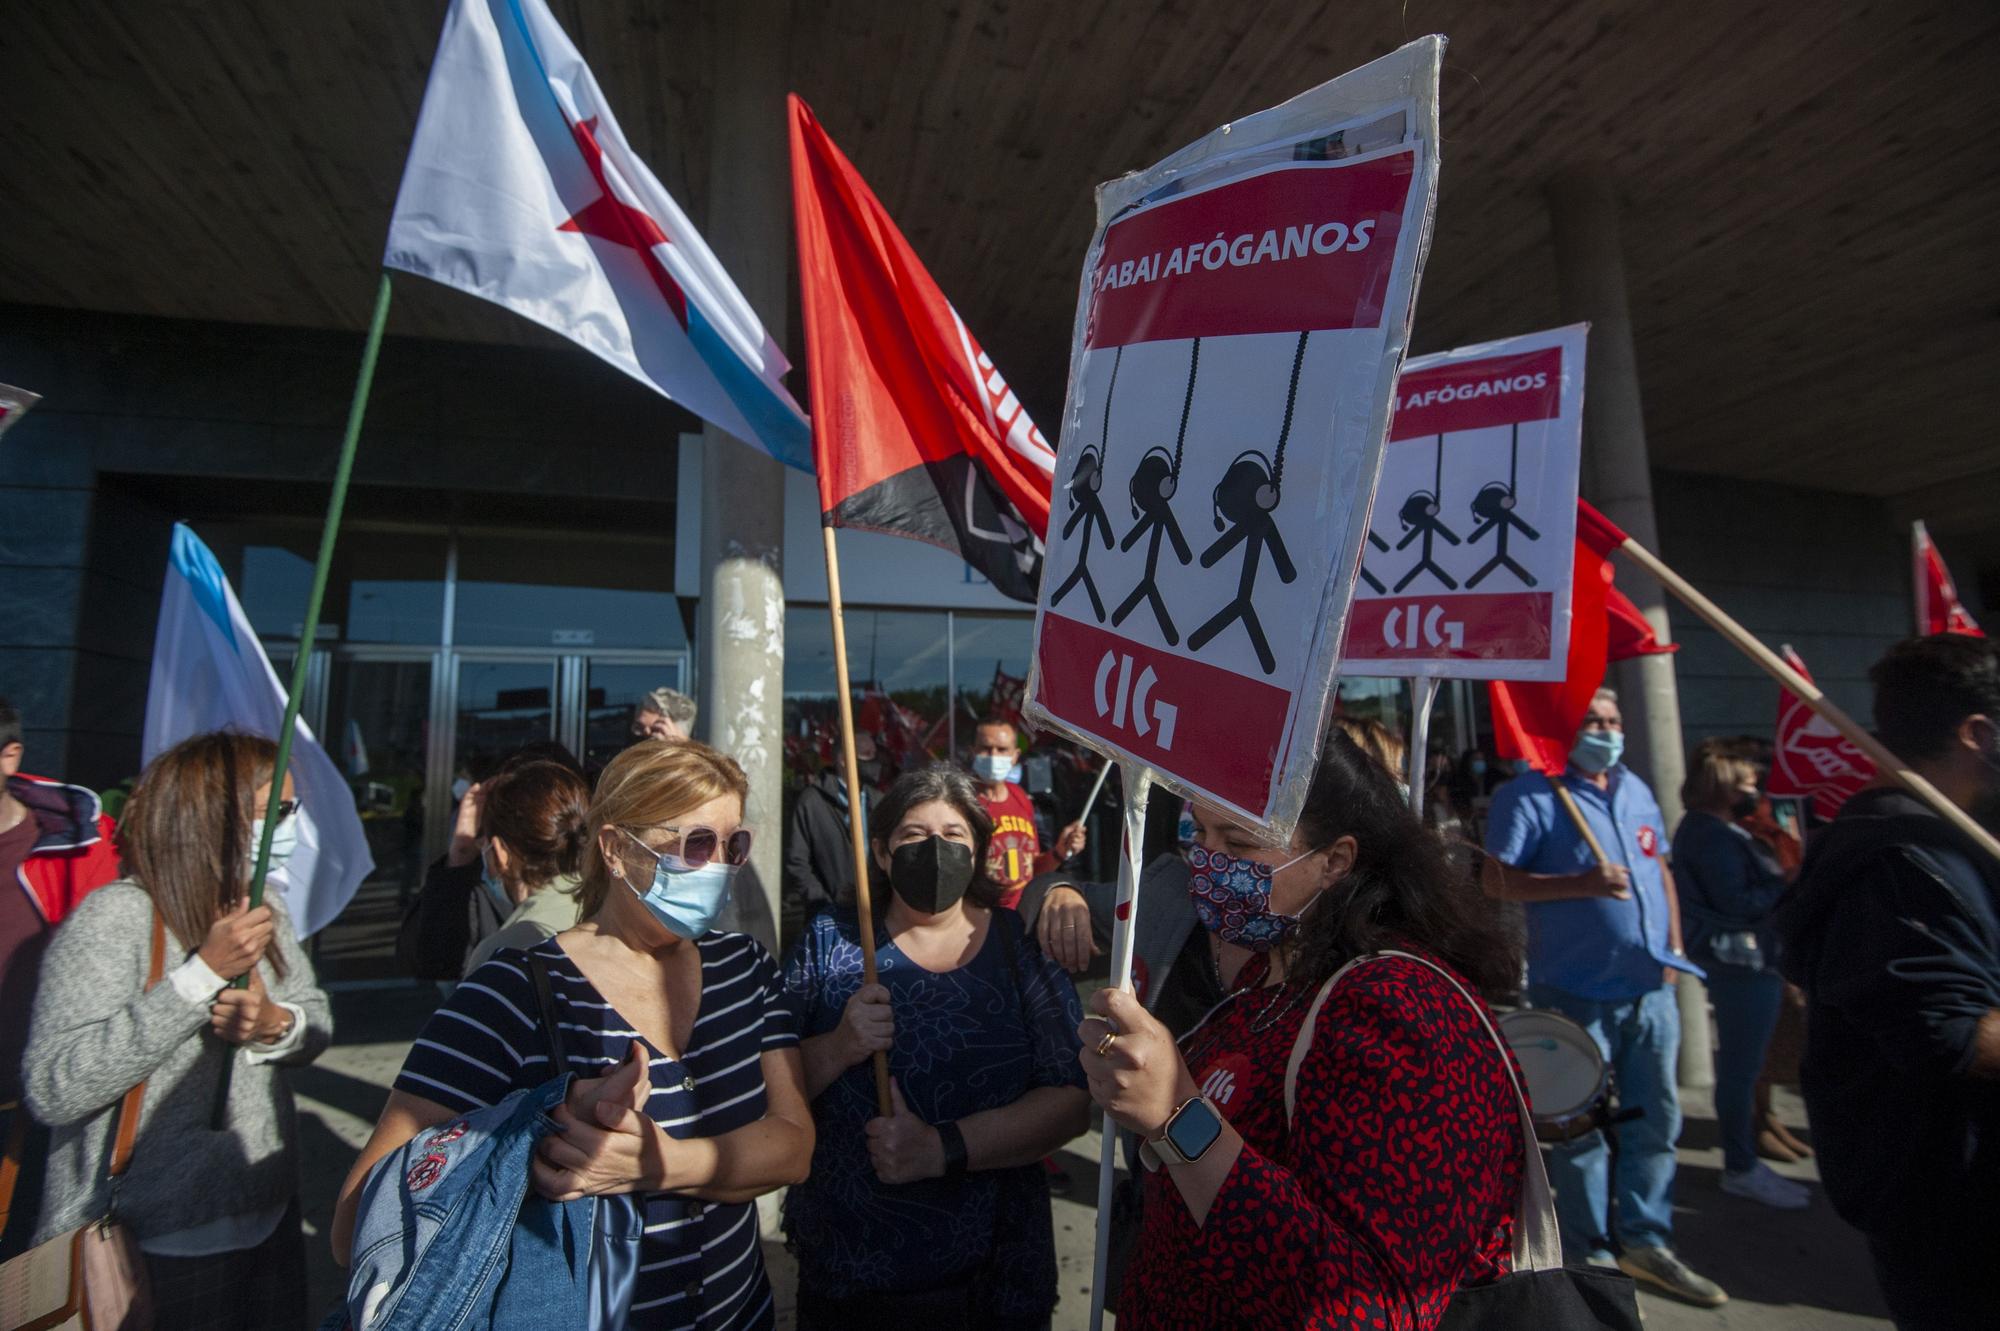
(1164,1145)
(956,1158)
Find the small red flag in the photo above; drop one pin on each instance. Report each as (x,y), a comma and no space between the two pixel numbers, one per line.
(1538,722)
(1938,607)
(1811,759)
(915,433)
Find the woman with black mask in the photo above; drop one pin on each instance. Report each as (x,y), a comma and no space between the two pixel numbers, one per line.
(938,1214)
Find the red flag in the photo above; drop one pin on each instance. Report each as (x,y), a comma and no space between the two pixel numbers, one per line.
(915,432)
(1538,722)
(1938,608)
(1810,758)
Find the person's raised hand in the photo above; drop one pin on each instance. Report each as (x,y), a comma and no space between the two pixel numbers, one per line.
(902,1147)
(244,1016)
(1071,841)
(605,1142)
(464,847)
(867,1023)
(1138,1078)
(1063,929)
(237,939)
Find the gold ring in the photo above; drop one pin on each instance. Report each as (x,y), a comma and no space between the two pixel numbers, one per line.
(1104,1045)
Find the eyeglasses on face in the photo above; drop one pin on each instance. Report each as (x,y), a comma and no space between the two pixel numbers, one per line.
(286,808)
(699,845)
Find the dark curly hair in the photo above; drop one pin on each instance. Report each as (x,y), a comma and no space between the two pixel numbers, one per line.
(1404,888)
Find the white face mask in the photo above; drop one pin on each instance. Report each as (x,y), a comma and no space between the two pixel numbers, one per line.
(283,842)
(992,767)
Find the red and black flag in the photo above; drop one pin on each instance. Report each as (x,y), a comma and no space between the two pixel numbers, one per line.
(915,433)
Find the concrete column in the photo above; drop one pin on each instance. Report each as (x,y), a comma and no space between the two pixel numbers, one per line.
(741,648)
(1617,477)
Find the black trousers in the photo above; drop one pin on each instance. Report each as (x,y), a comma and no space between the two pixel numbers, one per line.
(248,1289)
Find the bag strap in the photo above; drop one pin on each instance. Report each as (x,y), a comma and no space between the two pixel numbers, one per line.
(538,971)
(1537,1243)
(10,1163)
(128,1111)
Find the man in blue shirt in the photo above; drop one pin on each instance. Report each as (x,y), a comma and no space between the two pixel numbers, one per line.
(1604,948)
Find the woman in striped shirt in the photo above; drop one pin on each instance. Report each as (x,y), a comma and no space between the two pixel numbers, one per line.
(725,1112)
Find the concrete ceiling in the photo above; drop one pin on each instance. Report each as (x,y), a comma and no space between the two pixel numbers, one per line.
(1809,189)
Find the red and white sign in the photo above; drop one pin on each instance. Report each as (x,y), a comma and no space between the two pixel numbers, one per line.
(1231,375)
(1470,552)
(14,404)
(1811,759)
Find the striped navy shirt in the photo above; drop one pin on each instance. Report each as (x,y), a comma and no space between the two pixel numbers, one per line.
(700,1262)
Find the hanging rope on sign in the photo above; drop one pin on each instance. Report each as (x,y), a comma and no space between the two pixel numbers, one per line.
(1152,488)
(1245,500)
(1086,505)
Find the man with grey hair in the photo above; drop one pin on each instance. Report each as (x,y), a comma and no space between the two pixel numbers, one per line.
(1604,950)
(664,713)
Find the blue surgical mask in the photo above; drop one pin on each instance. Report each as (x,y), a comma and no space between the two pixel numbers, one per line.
(992,768)
(1232,898)
(685,900)
(495,888)
(1598,750)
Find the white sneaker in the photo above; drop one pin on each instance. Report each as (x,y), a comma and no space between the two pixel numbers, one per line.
(1761,1183)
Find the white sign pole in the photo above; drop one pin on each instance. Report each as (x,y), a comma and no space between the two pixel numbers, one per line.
(1137,782)
(1423,697)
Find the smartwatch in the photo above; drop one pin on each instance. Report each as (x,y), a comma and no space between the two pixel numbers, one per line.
(1190,1131)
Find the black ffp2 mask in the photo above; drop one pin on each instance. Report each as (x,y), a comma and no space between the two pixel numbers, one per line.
(931,875)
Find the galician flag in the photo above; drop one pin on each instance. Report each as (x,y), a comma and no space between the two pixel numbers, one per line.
(210,673)
(521,189)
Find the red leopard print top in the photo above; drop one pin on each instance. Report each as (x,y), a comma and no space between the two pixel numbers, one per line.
(1397,1184)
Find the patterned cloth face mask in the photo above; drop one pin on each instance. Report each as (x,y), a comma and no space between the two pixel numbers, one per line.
(1232,897)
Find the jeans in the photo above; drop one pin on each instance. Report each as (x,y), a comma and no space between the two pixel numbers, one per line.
(1746,1012)
(1640,1039)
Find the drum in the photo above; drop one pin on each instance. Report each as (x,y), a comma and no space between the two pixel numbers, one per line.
(1564,1070)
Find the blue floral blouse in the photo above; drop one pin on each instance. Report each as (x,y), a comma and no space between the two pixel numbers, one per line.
(971,1039)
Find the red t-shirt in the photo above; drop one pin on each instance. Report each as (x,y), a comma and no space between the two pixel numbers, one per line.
(1011,854)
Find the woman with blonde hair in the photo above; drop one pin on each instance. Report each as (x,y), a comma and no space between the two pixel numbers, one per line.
(652,1000)
(211,1194)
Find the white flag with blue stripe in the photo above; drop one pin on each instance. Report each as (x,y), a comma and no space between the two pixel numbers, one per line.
(521,189)
(210,673)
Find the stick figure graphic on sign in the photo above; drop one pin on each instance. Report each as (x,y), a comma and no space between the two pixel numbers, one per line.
(1245,498)
(1152,489)
(1419,516)
(1494,507)
(1087,507)
(1367,577)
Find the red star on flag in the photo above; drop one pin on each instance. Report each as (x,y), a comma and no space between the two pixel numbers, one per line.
(610,218)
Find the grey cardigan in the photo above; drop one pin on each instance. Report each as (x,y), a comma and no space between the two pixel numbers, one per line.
(96,1031)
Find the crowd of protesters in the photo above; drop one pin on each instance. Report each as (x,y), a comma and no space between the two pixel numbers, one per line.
(1304,1066)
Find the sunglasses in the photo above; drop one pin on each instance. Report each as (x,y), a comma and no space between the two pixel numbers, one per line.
(286,808)
(700,845)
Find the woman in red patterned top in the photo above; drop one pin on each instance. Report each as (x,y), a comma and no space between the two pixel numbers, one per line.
(1397,1179)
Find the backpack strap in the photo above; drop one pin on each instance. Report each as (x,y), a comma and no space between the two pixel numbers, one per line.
(1537,1244)
(538,972)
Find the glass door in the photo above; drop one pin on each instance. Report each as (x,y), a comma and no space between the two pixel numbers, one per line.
(377,731)
(612,688)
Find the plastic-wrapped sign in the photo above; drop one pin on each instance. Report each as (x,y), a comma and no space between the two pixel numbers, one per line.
(1245,307)
(14,404)
(1467,570)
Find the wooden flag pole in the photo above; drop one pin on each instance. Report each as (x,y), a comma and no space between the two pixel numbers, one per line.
(1774,665)
(1137,783)
(857,833)
(336,502)
(1576,816)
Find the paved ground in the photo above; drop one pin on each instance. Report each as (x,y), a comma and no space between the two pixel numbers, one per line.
(1785,1271)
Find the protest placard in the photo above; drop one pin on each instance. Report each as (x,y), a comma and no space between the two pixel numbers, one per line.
(1467,571)
(1244,308)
